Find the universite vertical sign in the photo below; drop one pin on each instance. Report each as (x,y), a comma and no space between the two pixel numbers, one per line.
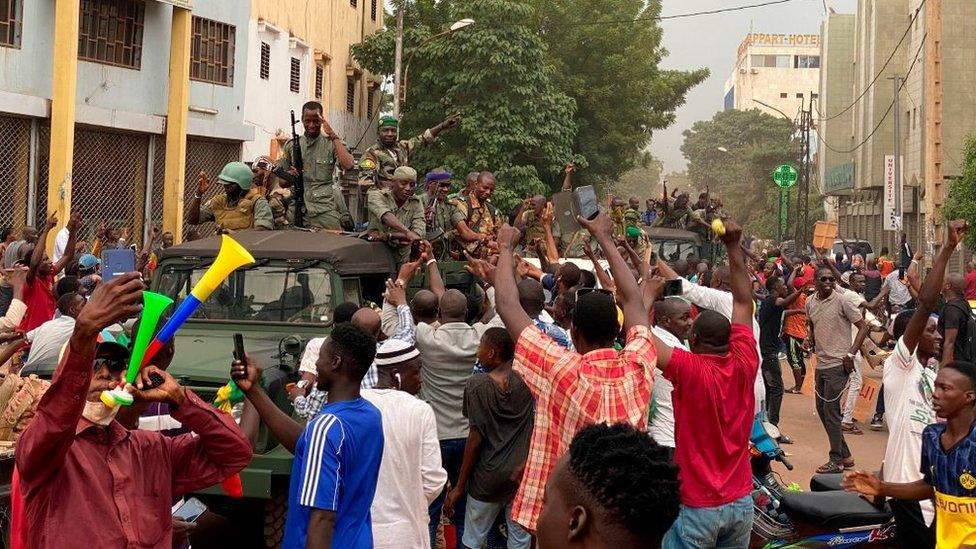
(892,217)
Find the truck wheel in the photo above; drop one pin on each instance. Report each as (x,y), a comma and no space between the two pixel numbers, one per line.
(275,510)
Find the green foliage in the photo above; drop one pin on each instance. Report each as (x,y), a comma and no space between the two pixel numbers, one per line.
(641,180)
(534,90)
(960,203)
(755,143)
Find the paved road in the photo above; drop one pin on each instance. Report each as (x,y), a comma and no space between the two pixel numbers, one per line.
(798,419)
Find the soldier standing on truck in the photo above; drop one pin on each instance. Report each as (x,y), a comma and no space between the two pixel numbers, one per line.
(321,148)
(378,163)
(396,216)
(239,207)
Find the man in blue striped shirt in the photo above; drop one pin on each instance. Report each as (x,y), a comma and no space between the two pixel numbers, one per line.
(337,455)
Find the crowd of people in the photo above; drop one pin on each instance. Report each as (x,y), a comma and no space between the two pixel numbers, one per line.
(573,406)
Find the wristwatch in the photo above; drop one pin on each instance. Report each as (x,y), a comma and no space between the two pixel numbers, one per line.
(303,383)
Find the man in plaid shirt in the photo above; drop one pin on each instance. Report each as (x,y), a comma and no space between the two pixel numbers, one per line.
(573,389)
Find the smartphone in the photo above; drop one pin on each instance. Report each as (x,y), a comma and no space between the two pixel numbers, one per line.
(190,510)
(117,262)
(238,347)
(673,287)
(589,208)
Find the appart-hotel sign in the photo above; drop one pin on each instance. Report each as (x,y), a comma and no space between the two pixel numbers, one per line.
(767,39)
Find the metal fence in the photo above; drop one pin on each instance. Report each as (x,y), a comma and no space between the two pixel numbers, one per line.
(15,134)
(202,155)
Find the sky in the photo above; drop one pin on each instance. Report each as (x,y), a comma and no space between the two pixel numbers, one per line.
(711,41)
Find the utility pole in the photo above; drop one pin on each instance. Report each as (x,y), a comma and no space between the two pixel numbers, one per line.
(398,61)
(896,79)
(803,189)
(932,107)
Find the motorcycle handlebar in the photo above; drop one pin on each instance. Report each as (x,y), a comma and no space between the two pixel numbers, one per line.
(782,459)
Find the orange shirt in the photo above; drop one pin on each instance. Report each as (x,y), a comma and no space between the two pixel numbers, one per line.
(885,265)
(795,325)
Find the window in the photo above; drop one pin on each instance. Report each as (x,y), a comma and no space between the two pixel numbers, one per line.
(11,13)
(212,52)
(265,69)
(319,78)
(807,62)
(370,103)
(799,96)
(772,61)
(352,3)
(351,94)
(295,82)
(372,10)
(815,95)
(784,95)
(110,32)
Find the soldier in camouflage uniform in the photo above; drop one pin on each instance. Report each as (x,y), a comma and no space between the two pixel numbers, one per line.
(396,216)
(378,163)
(321,148)
(479,220)
(440,214)
(534,220)
(636,236)
(617,210)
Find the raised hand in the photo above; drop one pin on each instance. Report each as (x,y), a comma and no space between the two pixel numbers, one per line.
(246,374)
(52,221)
(115,301)
(600,226)
(148,387)
(957,231)
(570,168)
(509,236)
(74,223)
(203,183)
(395,294)
(733,233)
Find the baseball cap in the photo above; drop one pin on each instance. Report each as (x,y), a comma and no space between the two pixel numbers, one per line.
(405,173)
(88,261)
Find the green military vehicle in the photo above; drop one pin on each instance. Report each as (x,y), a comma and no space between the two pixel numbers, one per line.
(673,244)
(278,303)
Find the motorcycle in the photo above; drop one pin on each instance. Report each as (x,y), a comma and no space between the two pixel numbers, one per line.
(826,516)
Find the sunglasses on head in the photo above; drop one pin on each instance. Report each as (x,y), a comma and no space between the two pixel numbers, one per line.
(261,165)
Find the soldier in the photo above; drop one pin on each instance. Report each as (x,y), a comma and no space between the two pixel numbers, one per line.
(677,214)
(239,207)
(320,148)
(617,210)
(441,216)
(533,220)
(636,236)
(378,163)
(279,197)
(478,217)
(396,216)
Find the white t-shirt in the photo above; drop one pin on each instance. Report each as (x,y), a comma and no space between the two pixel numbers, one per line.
(60,243)
(411,475)
(47,339)
(899,292)
(662,424)
(908,387)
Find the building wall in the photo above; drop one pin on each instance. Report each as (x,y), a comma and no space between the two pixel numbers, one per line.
(833,116)
(768,84)
(328,31)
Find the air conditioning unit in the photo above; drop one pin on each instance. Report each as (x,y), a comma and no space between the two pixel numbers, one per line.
(742,71)
(755,71)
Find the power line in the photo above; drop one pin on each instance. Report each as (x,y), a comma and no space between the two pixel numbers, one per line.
(883,67)
(887,112)
(677,15)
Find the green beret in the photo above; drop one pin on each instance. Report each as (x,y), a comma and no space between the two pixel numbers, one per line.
(633,232)
(388,122)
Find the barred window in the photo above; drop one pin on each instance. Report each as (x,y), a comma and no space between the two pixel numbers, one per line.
(11,14)
(351,94)
(212,52)
(372,11)
(110,32)
(370,103)
(265,69)
(295,84)
(319,79)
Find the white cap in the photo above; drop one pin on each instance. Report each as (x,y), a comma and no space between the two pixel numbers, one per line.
(395,351)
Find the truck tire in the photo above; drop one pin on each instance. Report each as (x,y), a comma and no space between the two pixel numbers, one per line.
(275,511)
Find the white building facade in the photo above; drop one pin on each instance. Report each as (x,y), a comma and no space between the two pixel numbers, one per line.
(774,72)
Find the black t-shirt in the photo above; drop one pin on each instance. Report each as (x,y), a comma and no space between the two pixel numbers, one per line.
(770,324)
(504,419)
(957,314)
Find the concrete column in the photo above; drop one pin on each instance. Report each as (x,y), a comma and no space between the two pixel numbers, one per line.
(63,87)
(176,115)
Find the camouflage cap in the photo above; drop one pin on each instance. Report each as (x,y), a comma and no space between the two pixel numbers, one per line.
(405,173)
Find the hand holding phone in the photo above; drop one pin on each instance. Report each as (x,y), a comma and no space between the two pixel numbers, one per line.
(116,262)
(589,208)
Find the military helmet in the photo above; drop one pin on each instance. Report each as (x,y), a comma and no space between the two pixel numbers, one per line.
(238,173)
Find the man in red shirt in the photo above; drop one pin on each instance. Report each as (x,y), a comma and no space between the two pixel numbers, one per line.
(971,280)
(573,389)
(39,290)
(714,404)
(87,480)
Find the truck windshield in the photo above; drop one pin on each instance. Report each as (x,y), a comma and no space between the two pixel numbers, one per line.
(264,293)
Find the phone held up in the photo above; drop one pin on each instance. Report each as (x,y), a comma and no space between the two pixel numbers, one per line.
(116,262)
(587,202)
(238,351)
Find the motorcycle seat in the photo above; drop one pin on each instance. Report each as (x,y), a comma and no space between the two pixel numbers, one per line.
(826,482)
(833,510)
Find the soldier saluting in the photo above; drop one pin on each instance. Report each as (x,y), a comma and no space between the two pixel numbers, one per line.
(378,163)
(321,147)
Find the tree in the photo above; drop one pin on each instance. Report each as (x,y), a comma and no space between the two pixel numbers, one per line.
(642,180)
(735,153)
(612,71)
(960,203)
(536,87)
(515,121)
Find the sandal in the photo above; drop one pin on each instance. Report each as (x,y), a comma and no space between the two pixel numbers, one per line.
(829,468)
(851,429)
(794,391)
(848,463)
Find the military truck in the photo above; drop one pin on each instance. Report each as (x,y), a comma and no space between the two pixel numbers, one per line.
(674,244)
(278,304)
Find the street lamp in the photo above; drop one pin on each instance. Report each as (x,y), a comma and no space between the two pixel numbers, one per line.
(400,93)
